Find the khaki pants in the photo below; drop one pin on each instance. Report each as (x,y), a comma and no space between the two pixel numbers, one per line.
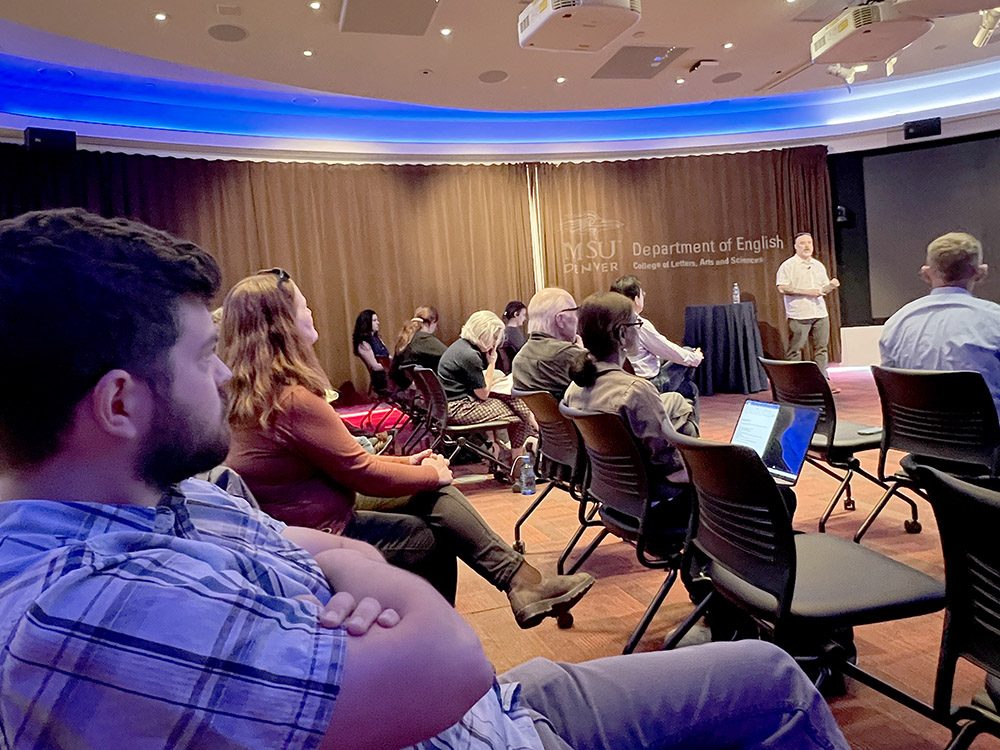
(814,330)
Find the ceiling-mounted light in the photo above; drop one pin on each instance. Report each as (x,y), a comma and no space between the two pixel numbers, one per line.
(680,81)
(307,53)
(560,79)
(315,5)
(445,32)
(727,45)
(160,16)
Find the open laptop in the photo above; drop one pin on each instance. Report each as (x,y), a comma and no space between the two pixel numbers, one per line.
(779,433)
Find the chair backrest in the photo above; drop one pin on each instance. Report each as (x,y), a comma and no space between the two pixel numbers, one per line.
(561,453)
(803,384)
(943,416)
(618,478)
(433,397)
(741,521)
(968,518)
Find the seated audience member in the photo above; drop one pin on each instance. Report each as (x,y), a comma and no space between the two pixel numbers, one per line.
(513,316)
(369,347)
(607,324)
(304,467)
(948,329)
(417,345)
(468,372)
(544,361)
(144,612)
(653,356)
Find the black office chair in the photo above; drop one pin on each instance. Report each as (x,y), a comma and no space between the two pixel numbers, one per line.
(617,482)
(835,441)
(946,420)
(968,518)
(453,438)
(561,459)
(782,579)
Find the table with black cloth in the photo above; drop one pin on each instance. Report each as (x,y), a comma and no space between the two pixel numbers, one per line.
(730,339)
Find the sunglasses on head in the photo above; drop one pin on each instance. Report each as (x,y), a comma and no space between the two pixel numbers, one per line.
(281,273)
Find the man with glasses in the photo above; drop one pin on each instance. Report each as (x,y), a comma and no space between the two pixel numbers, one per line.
(656,358)
(544,360)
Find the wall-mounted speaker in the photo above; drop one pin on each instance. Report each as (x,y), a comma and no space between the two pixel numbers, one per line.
(922,128)
(50,141)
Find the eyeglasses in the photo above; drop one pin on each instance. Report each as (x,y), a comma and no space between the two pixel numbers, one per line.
(569,309)
(281,273)
(636,323)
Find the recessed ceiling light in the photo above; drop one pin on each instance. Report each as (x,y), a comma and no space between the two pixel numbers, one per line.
(727,45)
(307,52)
(561,79)
(680,81)
(789,1)
(445,32)
(161,16)
(315,5)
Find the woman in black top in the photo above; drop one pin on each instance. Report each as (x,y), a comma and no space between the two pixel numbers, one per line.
(468,373)
(514,317)
(369,347)
(416,345)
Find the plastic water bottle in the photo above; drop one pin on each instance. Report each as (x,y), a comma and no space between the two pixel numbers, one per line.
(736,294)
(527,476)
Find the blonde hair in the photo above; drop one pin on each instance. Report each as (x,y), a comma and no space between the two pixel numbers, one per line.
(424,315)
(261,344)
(483,329)
(955,256)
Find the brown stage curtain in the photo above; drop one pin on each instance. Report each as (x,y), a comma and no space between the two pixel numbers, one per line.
(689,228)
(352,236)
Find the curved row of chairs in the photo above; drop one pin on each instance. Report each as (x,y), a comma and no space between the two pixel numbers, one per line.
(946,424)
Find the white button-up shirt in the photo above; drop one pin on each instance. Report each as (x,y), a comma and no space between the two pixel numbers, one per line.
(803,274)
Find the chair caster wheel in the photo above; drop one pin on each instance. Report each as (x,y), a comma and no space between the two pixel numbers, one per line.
(565,620)
(519,546)
(849,505)
(912,527)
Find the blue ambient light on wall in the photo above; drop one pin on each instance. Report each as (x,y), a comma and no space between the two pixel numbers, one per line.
(34,89)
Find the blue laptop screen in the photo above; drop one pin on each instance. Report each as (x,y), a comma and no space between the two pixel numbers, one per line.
(779,433)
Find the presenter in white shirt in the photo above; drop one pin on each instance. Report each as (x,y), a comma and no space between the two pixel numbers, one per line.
(803,281)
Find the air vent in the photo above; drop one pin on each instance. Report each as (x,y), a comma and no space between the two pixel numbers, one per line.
(866,15)
(560,4)
(229,10)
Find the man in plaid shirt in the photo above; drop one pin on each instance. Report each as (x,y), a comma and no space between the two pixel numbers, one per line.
(143,610)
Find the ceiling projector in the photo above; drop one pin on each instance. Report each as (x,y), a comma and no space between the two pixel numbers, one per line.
(867,33)
(575,25)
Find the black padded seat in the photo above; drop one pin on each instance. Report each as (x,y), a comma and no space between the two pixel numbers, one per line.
(826,585)
(849,438)
(804,590)
(941,419)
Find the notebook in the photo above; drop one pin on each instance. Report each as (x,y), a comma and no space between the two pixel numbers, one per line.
(780,435)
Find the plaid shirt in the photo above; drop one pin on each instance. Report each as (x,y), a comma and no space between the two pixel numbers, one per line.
(175,626)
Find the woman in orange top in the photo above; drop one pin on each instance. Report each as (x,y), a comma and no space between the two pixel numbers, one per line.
(305,468)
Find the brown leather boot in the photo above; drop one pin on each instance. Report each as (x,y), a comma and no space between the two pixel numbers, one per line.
(550,598)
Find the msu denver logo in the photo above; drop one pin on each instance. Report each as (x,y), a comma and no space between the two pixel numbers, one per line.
(593,245)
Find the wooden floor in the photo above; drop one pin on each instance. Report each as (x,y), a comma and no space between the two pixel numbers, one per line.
(904,652)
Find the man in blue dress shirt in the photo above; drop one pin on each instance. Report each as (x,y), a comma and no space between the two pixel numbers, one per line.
(949,329)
